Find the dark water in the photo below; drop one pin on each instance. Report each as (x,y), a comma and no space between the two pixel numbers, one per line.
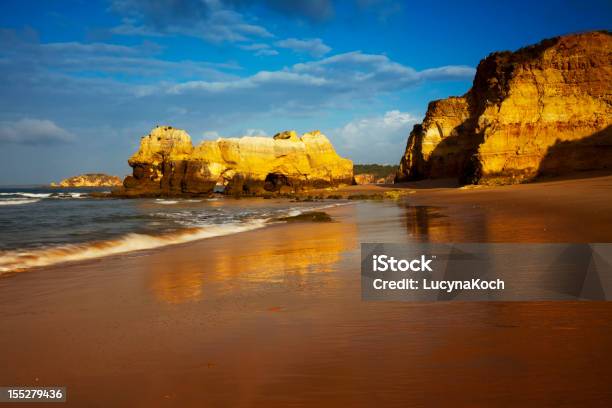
(40,226)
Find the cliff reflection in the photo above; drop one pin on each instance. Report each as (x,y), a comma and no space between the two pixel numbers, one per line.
(485,223)
(281,254)
(426,223)
(441,224)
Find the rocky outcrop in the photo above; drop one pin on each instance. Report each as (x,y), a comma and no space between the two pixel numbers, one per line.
(542,110)
(90,180)
(168,164)
(369,178)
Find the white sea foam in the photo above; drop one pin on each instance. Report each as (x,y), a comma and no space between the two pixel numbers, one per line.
(160,201)
(67,194)
(19,201)
(34,195)
(17,260)
(29,195)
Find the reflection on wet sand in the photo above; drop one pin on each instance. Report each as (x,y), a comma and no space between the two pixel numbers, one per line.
(434,224)
(425,222)
(489,223)
(559,211)
(273,317)
(290,256)
(176,285)
(281,257)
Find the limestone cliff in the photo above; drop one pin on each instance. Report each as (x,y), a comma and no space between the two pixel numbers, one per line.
(543,110)
(168,164)
(90,180)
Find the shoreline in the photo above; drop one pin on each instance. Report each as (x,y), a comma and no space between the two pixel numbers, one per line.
(563,196)
(279,309)
(20,260)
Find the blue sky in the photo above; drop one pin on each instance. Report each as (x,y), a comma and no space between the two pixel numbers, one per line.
(82,80)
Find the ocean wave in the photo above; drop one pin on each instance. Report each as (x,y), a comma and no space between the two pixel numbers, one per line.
(19,201)
(67,194)
(14,261)
(160,201)
(35,195)
(29,195)
(194,228)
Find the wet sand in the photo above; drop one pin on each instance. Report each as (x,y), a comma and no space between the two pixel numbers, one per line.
(273,317)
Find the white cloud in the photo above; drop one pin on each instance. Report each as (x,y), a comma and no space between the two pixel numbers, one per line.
(214,135)
(255,132)
(98,48)
(78,84)
(255,46)
(448,72)
(33,131)
(210,135)
(210,20)
(369,72)
(102,60)
(349,75)
(266,53)
(256,81)
(376,139)
(129,27)
(315,46)
(83,75)
(259,49)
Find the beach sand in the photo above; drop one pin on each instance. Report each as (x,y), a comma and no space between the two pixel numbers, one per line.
(274,317)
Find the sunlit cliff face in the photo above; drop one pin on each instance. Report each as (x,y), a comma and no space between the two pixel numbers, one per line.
(542,110)
(168,163)
(286,255)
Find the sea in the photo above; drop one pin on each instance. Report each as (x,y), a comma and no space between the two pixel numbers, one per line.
(41,226)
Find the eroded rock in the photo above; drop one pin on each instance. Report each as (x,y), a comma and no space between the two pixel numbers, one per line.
(542,110)
(168,164)
(90,180)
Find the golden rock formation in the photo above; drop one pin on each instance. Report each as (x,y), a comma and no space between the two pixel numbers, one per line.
(543,110)
(366,178)
(90,180)
(369,178)
(168,163)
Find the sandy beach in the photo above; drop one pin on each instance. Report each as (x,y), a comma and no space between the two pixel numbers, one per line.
(321,203)
(273,317)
